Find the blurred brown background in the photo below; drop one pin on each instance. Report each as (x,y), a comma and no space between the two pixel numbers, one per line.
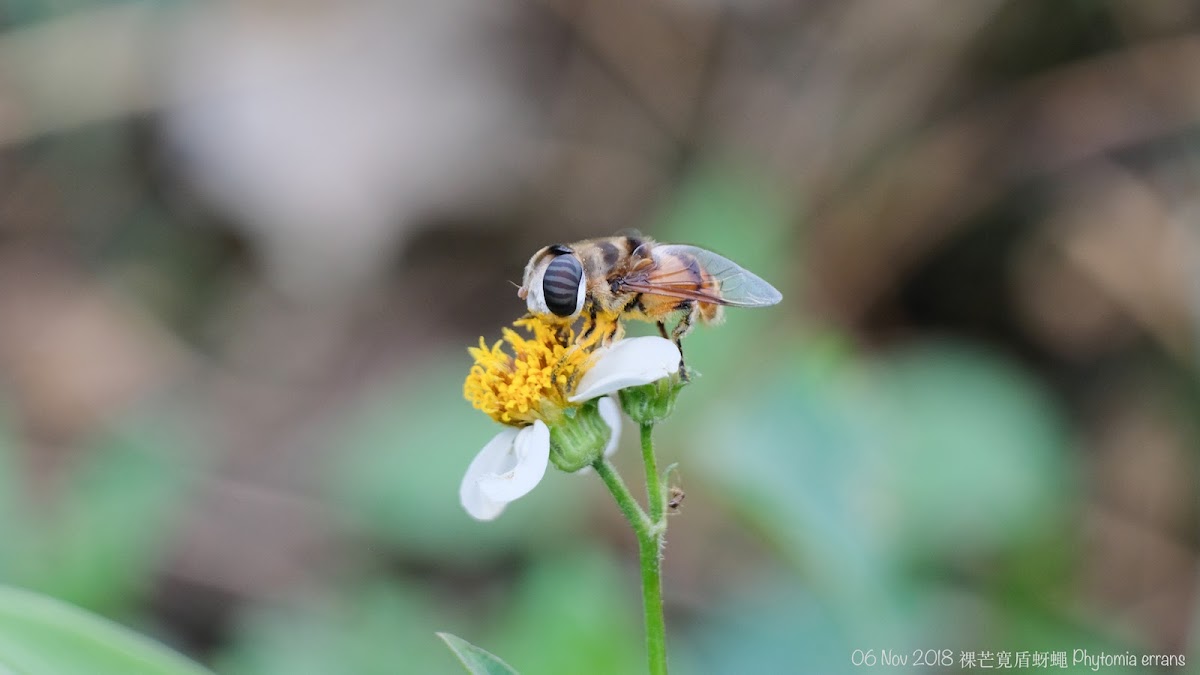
(243,246)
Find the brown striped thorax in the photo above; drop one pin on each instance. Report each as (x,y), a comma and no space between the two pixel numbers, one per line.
(613,279)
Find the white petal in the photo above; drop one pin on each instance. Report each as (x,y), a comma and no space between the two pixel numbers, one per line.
(489,460)
(610,412)
(482,508)
(531,451)
(628,363)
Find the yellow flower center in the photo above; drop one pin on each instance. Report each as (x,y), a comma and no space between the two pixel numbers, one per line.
(535,381)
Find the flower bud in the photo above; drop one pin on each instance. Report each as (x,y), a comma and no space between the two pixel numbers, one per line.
(577,440)
(654,402)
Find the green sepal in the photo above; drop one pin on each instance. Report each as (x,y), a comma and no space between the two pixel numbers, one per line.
(579,437)
(652,403)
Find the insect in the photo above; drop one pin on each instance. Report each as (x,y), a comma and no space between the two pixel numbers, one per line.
(675,499)
(631,277)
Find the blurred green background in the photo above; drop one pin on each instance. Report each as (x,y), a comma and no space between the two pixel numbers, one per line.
(244,246)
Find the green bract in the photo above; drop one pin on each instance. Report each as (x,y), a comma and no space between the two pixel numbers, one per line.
(652,403)
(579,440)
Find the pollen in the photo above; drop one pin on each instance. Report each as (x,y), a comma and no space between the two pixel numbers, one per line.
(521,379)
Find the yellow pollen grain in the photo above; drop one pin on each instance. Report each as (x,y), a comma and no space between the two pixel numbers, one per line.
(531,383)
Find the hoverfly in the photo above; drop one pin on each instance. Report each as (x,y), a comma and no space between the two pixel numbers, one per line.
(633,277)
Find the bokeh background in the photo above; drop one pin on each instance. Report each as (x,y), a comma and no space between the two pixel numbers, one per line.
(244,245)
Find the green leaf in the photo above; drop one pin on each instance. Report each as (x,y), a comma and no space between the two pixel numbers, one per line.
(477,661)
(43,636)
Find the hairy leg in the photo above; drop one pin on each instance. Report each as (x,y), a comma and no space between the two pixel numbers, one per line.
(681,329)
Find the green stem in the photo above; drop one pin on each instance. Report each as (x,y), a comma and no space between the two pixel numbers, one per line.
(656,627)
(650,538)
(625,501)
(654,495)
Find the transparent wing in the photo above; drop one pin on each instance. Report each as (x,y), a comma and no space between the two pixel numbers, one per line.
(728,283)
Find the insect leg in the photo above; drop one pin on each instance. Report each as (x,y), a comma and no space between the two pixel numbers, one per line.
(613,332)
(681,329)
(688,312)
(563,334)
(662,329)
(589,323)
(682,363)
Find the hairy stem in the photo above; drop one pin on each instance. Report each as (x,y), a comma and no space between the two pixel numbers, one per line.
(654,494)
(656,628)
(625,501)
(650,536)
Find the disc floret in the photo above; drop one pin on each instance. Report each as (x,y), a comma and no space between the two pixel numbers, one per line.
(535,381)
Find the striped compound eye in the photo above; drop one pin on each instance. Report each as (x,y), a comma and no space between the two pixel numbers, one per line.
(560,285)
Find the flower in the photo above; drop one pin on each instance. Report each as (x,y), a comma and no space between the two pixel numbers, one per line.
(514,462)
(552,392)
(532,384)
